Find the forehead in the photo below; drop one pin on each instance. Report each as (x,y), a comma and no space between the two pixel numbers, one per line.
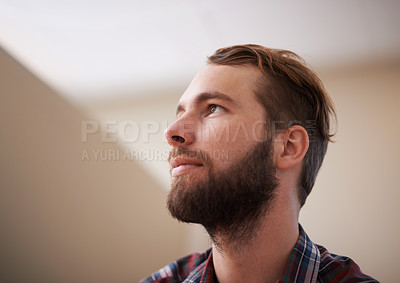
(238,82)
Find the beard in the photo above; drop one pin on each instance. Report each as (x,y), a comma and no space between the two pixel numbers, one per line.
(230,203)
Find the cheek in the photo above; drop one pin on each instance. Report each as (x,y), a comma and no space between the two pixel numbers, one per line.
(226,143)
(259,131)
(231,132)
(215,132)
(245,134)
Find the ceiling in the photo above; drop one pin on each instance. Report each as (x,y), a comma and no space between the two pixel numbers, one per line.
(94,49)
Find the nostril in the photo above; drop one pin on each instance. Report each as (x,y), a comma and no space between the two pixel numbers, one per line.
(178,139)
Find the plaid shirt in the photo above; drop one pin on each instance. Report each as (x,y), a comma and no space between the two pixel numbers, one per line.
(307,263)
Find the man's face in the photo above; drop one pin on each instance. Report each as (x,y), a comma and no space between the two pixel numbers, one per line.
(220,115)
(223,175)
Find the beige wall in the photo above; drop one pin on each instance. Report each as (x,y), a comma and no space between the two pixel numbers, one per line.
(63,219)
(355,205)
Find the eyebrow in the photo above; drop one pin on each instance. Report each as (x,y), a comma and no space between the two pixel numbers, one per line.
(206,96)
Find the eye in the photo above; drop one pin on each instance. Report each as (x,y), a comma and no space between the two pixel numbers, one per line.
(213,108)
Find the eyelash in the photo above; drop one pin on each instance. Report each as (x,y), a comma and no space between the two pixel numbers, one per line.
(212,106)
(208,112)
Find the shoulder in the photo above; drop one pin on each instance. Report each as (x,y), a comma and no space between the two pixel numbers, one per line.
(179,270)
(336,268)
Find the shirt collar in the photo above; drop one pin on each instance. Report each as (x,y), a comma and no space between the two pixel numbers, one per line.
(209,272)
(302,266)
(304,260)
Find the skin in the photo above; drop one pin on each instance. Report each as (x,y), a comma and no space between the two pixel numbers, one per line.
(232,126)
(219,112)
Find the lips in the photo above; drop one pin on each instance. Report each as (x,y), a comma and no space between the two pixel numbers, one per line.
(183,165)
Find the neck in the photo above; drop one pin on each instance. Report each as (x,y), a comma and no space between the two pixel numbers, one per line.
(264,257)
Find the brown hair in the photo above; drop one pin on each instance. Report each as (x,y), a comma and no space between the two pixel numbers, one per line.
(291,94)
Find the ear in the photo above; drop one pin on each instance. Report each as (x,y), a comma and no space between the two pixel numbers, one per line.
(290,147)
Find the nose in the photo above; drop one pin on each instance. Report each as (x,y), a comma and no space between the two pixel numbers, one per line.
(180,133)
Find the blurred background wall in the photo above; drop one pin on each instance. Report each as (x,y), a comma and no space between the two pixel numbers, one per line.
(80,204)
(65,218)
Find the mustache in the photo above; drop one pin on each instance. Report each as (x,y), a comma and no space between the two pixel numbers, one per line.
(182,151)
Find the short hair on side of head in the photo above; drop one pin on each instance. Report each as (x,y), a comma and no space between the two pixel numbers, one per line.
(291,94)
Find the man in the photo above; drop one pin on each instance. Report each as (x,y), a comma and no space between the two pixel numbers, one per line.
(251,132)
